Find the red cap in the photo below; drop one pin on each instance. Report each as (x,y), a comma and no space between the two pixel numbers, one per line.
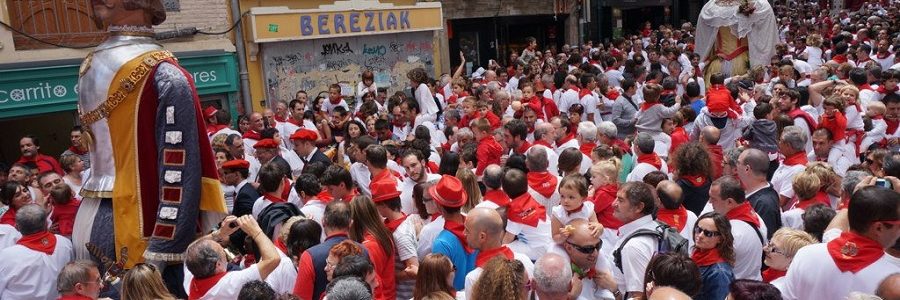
(448,192)
(383,189)
(236,164)
(266,143)
(304,134)
(209,111)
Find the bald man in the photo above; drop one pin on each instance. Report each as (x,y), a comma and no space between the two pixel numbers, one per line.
(582,251)
(253,135)
(672,212)
(485,229)
(709,137)
(553,277)
(668,293)
(889,287)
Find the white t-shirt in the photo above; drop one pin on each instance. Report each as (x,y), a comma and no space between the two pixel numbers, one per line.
(747,249)
(427,235)
(814,275)
(642,169)
(407,204)
(564,217)
(532,241)
(782,179)
(361,177)
(9,235)
(314,209)
(636,254)
(29,274)
(329,107)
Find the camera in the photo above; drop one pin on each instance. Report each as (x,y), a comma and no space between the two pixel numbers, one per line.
(883,183)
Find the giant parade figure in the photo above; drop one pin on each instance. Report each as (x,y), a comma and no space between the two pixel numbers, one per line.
(152,177)
(733,36)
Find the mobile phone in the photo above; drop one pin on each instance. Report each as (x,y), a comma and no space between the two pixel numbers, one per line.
(883,183)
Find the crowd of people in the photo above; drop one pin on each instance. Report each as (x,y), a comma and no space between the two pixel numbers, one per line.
(624,170)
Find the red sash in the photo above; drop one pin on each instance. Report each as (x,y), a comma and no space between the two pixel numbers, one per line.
(743,212)
(499,197)
(392,225)
(799,113)
(199,287)
(542,182)
(525,210)
(798,158)
(706,257)
(674,217)
(771,274)
(43,241)
(457,229)
(853,252)
(486,255)
(651,159)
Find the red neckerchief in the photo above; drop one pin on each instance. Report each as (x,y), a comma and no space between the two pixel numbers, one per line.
(295,122)
(647,105)
(566,139)
(651,159)
(486,255)
(280,119)
(252,134)
(286,191)
(822,197)
(743,212)
(798,158)
(43,241)
(392,225)
(612,94)
(199,287)
(695,180)
(882,55)
(9,217)
(576,210)
(667,93)
(523,148)
(853,252)
(892,125)
(74,297)
(587,148)
(273,198)
(604,197)
(706,257)
(583,92)
(457,230)
(865,86)
(499,197)
(771,274)
(281,246)
(882,90)
(77,151)
(840,58)
(622,145)
(349,196)
(542,182)
(674,217)
(525,210)
(324,196)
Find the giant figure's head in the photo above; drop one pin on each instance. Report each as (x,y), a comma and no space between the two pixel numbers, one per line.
(128,12)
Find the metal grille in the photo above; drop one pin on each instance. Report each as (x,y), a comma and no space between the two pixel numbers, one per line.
(64,22)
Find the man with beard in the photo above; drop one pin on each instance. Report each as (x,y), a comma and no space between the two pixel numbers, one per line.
(416,173)
(582,251)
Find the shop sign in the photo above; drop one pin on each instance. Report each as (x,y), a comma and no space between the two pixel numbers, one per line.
(272,24)
(29,91)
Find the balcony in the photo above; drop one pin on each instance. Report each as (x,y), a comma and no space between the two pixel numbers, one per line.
(62,22)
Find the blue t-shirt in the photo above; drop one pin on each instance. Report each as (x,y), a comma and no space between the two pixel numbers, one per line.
(698,105)
(447,244)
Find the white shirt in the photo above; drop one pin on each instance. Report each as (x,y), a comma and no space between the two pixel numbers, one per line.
(573,143)
(642,169)
(9,235)
(793,218)
(688,231)
(636,254)
(29,274)
(532,241)
(568,98)
(547,202)
(427,235)
(329,107)
(407,204)
(814,275)
(475,274)
(836,158)
(284,276)
(782,179)
(615,77)
(559,213)
(426,101)
(314,209)
(229,286)
(362,177)
(747,249)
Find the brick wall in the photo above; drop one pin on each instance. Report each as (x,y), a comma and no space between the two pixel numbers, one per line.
(457,9)
(206,15)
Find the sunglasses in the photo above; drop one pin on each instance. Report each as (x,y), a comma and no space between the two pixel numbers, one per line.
(586,249)
(706,233)
(771,248)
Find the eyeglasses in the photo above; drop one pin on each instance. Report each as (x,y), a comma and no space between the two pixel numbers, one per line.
(706,233)
(586,249)
(771,248)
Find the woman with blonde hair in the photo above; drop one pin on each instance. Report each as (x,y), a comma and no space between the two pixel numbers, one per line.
(470,184)
(144,282)
(780,252)
(436,273)
(502,279)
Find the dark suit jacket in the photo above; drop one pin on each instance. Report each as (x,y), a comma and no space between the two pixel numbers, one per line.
(243,205)
(319,156)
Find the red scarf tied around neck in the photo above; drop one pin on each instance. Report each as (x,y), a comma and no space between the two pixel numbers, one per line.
(743,212)
(651,159)
(853,252)
(457,230)
(706,257)
(798,158)
(771,274)
(199,287)
(43,241)
(674,217)
(486,255)
(542,182)
(392,225)
(525,210)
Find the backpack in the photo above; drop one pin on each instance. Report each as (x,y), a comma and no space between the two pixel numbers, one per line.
(274,215)
(668,240)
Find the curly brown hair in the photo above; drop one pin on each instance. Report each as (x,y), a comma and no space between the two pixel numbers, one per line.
(502,279)
(417,75)
(693,159)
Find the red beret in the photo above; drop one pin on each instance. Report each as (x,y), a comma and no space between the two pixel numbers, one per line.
(384,188)
(236,164)
(304,134)
(448,192)
(266,143)
(209,111)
